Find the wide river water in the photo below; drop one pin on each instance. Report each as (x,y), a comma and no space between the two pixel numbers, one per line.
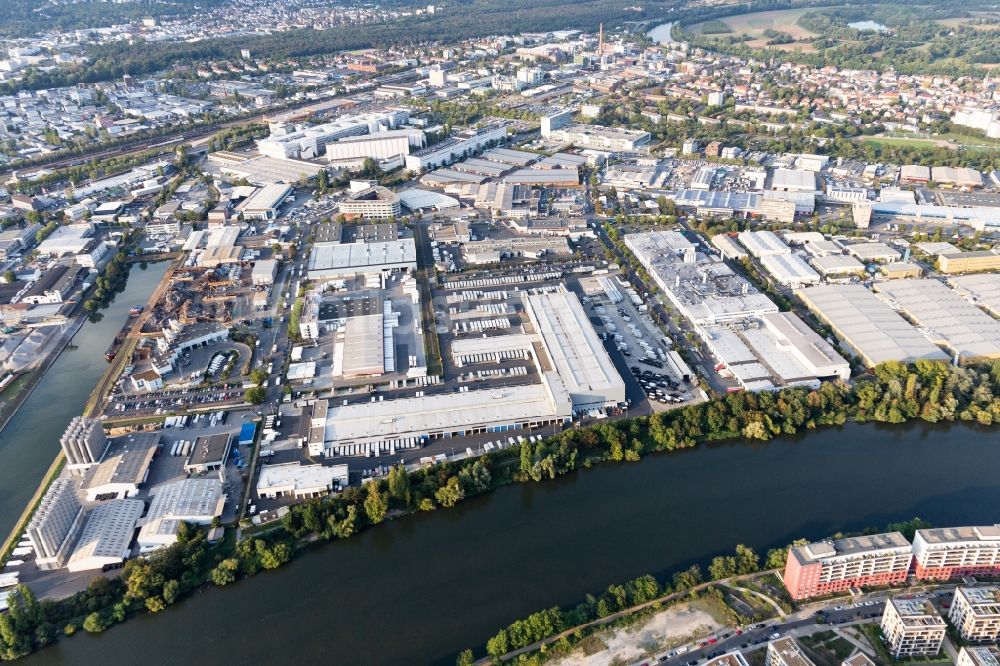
(419,589)
(30,441)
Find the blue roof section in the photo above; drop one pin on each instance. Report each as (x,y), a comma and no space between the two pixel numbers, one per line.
(247,432)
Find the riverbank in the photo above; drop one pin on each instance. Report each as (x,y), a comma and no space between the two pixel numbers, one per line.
(443,580)
(963,393)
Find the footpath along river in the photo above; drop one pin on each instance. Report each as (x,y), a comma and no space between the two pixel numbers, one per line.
(30,441)
(417,590)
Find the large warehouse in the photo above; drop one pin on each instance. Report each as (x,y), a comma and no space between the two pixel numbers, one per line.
(869,325)
(107,535)
(576,352)
(331,261)
(948,319)
(576,374)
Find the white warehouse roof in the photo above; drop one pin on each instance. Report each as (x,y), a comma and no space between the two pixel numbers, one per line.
(107,535)
(869,325)
(577,353)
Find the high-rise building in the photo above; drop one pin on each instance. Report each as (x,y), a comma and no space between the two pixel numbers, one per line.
(55,525)
(975,612)
(84,443)
(912,628)
(836,566)
(954,552)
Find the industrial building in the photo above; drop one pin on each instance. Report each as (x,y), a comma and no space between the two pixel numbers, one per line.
(946,318)
(107,535)
(331,261)
(124,467)
(602,138)
(195,501)
(263,204)
(376,202)
(457,147)
(380,146)
(983,290)
(494,250)
(728,247)
(575,351)
(300,481)
(969,262)
(264,272)
(789,180)
(975,613)
(790,270)
(827,567)
(951,553)
(386,426)
(763,243)
(703,289)
(873,252)
(872,329)
(55,525)
(785,652)
(912,628)
(830,265)
(83,443)
(209,453)
(310,141)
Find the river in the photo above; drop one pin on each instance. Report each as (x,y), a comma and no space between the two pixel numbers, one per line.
(31,439)
(661,34)
(419,589)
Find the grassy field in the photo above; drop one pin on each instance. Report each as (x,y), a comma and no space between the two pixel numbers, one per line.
(900,141)
(753,26)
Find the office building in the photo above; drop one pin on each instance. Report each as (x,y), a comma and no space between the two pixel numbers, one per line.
(912,628)
(785,652)
(84,443)
(975,613)
(376,202)
(55,525)
(969,262)
(554,121)
(827,567)
(950,553)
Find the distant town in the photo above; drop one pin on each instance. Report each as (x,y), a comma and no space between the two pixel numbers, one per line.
(386,260)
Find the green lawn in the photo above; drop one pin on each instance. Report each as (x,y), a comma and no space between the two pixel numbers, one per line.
(900,141)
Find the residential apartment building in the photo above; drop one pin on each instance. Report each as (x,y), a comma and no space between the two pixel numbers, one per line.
(953,552)
(912,628)
(786,652)
(975,613)
(827,567)
(982,655)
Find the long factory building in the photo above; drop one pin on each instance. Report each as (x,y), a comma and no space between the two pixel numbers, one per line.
(762,348)
(575,375)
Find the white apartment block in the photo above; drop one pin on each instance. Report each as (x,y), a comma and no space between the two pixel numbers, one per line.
(912,628)
(975,612)
(982,655)
(953,552)
(786,652)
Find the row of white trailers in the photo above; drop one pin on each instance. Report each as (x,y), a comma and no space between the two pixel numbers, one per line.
(507,279)
(497,356)
(182,447)
(390,447)
(480,325)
